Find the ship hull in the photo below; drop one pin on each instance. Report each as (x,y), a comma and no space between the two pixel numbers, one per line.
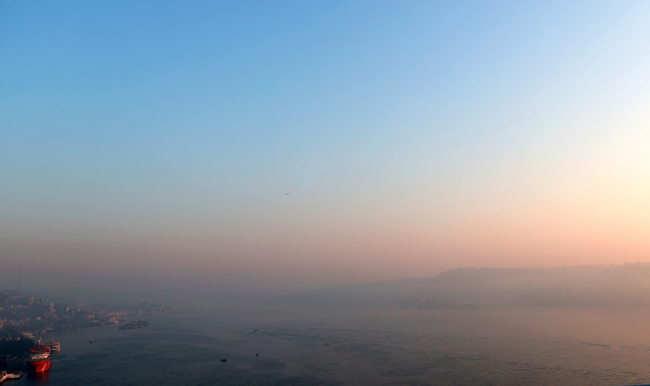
(39,366)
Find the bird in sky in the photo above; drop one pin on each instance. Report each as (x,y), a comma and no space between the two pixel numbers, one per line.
(287,194)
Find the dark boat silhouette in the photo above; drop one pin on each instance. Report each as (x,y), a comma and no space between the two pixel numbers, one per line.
(224,359)
(135,324)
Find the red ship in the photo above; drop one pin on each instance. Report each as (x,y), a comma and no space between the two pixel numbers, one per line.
(39,358)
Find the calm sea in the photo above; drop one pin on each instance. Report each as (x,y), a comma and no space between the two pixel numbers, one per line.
(482,347)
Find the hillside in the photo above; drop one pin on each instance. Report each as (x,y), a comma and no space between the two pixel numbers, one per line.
(575,286)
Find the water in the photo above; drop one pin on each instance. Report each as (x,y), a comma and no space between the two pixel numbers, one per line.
(368,347)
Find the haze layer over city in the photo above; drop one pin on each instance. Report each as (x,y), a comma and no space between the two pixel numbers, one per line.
(225,149)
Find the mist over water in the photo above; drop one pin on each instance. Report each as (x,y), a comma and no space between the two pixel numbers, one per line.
(391,192)
(491,347)
(593,334)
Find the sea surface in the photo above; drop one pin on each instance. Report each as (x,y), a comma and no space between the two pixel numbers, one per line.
(362,347)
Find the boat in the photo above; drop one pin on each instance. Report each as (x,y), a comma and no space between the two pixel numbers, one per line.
(224,359)
(38,358)
(135,324)
(53,346)
(9,375)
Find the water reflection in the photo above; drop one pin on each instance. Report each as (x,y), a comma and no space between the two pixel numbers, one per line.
(41,378)
(443,347)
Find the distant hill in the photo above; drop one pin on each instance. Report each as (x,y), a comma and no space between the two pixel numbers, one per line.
(626,285)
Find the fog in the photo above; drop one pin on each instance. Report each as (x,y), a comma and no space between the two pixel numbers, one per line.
(233,154)
(591,286)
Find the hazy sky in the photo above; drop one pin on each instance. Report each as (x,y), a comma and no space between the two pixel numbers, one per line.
(154,142)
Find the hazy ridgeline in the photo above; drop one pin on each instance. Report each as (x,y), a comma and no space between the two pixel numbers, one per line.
(626,285)
(575,286)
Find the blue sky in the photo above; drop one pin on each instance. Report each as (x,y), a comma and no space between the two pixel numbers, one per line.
(400,129)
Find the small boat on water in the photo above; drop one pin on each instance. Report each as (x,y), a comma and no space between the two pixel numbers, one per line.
(224,359)
(134,324)
(256,331)
(53,346)
(9,375)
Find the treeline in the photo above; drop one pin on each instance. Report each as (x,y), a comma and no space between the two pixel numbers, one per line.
(12,343)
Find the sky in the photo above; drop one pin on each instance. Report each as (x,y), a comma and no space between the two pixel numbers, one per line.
(150,145)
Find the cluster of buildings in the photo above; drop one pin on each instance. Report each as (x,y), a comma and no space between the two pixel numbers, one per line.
(31,316)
